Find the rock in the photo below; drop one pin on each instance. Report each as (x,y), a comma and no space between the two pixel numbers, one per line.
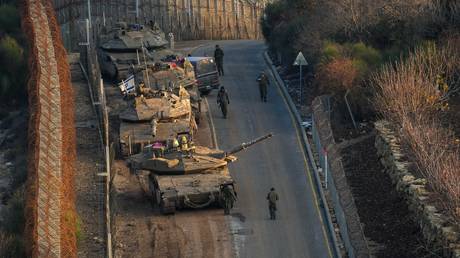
(435,226)
(456,253)
(9,164)
(450,234)
(405,180)
(98,240)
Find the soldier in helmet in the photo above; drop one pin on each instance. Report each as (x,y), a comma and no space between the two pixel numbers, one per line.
(272,198)
(183,143)
(263,84)
(228,197)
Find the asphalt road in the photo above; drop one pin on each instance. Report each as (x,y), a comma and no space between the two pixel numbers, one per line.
(278,162)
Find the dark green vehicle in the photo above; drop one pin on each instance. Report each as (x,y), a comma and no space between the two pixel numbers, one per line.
(205,73)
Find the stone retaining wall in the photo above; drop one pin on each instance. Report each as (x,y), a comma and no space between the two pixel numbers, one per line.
(435,226)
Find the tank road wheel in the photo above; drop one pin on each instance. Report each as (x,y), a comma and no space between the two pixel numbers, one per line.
(155,194)
(124,150)
(167,207)
(204,92)
(117,149)
(157,198)
(197,118)
(168,199)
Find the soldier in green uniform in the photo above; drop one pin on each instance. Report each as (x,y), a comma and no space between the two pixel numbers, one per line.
(223,101)
(219,57)
(263,84)
(228,197)
(272,198)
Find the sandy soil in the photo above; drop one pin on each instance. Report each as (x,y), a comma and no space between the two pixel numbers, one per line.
(141,231)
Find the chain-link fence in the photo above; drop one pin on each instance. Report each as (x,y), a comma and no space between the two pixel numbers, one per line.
(89,61)
(335,181)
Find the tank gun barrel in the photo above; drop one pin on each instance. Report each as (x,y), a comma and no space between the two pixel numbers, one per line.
(245,145)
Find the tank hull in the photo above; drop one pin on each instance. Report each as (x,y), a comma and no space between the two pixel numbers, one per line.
(194,191)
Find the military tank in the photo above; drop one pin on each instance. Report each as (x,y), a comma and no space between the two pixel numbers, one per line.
(155,116)
(163,76)
(190,178)
(129,45)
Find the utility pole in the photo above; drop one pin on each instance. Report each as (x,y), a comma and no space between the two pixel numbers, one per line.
(89,12)
(137,11)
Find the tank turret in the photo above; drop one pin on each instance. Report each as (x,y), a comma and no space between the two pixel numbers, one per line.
(196,159)
(190,178)
(131,37)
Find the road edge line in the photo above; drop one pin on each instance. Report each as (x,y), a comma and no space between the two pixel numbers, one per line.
(306,146)
(211,125)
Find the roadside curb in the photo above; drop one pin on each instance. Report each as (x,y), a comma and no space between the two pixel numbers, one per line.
(307,149)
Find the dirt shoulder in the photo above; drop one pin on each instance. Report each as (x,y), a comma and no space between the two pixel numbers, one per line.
(90,160)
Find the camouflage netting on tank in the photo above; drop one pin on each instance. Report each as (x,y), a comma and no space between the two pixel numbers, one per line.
(50,201)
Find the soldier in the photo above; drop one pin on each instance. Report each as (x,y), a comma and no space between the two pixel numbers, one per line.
(183,143)
(272,198)
(263,83)
(228,197)
(223,101)
(219,57)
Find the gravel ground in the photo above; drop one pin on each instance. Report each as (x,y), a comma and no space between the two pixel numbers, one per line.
(385,216)
(90,160)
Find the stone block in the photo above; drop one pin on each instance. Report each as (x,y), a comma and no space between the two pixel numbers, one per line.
(449,233)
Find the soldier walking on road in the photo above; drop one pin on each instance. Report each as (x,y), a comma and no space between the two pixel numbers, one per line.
(263,84)
(219,57)
(272,198)
(228,197)
(223,101)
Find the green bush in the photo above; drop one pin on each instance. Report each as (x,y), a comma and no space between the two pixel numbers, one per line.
(361,67)
(78,230)
(13,217)
(368,54)
(13,67)
(12,52)
(13,70)
(11,246)
(330,51)
(9,18)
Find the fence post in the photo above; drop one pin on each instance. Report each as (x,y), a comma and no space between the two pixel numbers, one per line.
(107,167)
(325,168)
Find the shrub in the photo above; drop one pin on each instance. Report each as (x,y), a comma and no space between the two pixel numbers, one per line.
(9,18)
(337,76)
(330,51)
(408,94)
(11,246)
(367,54)
(78,230)
(11,52)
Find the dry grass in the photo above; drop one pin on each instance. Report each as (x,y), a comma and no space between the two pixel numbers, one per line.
(407,94)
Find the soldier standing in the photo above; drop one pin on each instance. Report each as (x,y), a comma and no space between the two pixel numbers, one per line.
(228,198)
(272,198)
(263,84)
(219,57)
(223,101)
